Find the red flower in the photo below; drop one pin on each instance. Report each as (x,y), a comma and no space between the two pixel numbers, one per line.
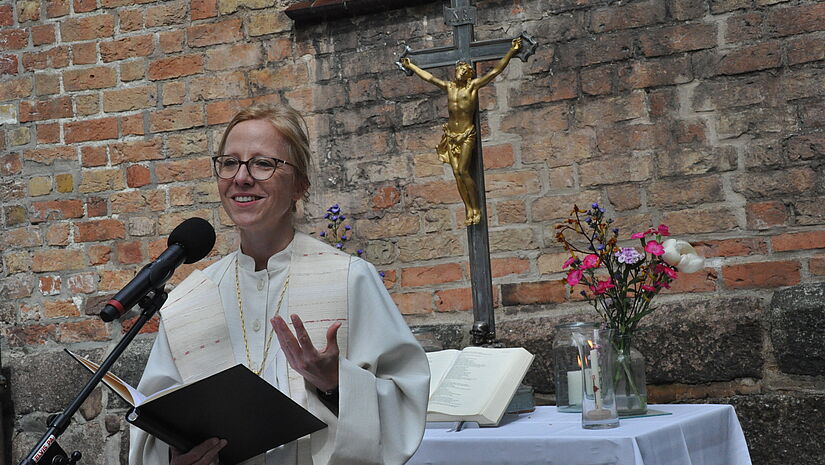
(574,277)
(590,261)
(640,235)
(654,248)
(663,230)
(569,262)
(662,269)
(648,288)
(602,286)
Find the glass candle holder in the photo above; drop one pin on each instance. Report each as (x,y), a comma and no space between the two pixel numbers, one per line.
(568,366)
(598,392)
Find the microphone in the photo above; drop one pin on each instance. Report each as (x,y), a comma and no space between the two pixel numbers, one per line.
(189,242)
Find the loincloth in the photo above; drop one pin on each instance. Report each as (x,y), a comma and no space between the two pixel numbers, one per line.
(452,143)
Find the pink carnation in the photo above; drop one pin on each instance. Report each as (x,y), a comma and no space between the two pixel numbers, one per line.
(663,230)
(666,270)
(654,248)
(646,287)
(602,286)
(574,277)
(569,262)
(640,235)
(590,261)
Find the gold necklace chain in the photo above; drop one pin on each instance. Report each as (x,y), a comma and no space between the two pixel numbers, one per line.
(243,323)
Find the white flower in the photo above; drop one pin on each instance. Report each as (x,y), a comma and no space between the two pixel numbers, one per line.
(682,255)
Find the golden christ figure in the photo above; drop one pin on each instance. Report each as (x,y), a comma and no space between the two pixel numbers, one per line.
(457,144)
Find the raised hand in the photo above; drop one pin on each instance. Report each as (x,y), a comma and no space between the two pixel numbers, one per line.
(319,368)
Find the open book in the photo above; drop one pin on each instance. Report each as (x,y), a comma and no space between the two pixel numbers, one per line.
(474,384)
(234,404)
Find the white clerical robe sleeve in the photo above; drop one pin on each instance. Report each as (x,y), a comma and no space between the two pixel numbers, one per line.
(384,381)
(160,373)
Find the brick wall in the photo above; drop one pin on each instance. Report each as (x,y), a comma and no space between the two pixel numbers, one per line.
(706,115)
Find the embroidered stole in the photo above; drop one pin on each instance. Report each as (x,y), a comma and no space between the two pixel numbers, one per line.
(196,328)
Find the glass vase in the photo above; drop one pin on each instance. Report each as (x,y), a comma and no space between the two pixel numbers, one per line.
(630,382)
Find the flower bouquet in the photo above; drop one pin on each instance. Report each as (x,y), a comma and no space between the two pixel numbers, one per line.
(620,283)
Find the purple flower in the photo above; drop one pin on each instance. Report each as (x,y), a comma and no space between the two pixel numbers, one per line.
(359,251)
(347,227)
(343,238)
(342,217)
(381,273)
(615,230)
(595,205)
(335,218)
(628,255)
(339,245)
(334,209)
(326,217)
(322,234)
(600,247)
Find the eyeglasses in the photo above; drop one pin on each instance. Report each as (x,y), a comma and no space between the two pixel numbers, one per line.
(260,168)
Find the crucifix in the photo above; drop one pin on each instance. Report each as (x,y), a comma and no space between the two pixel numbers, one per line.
(461,144)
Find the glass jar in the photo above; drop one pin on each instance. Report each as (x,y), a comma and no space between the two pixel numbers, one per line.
(568,365)
(630,380)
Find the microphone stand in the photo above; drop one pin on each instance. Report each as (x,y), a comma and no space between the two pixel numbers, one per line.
(47,451)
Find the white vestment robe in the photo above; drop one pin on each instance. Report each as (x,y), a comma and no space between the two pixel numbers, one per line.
(383,376)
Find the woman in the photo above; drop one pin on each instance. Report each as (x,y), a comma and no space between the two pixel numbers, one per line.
(370,381)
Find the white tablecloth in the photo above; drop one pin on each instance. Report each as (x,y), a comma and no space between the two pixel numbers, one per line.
(695,434)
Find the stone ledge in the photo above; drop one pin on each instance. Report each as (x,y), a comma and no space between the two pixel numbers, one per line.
(314,11)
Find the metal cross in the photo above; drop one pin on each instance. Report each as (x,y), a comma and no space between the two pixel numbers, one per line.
(462,16)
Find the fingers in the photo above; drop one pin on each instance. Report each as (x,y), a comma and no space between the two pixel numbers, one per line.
(332,337)
(205,453)
(303,336)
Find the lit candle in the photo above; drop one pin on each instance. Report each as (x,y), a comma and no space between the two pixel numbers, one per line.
(574,385)
(597,385)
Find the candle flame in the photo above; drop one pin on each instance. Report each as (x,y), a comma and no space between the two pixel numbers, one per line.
(590,343)
(579,361)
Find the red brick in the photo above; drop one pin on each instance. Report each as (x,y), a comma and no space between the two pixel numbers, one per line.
(150,327)
(412,303)
(753,58)
(223,112)
(21,238)
(805,50)
(282,78)
(184,170)
(798,241)
(24,335)
(166,14)
(91,155)
(129,252)
(202,9)
(450,300)
(700,281)
(233,56)
(765,215)
(685,192)
(171,41)
(541,292)
(132,125)
(508,266)
(95,129)
(218,86)
(6,15)
(10,164)
(57,234)
(817,265)
(134,98)
(99,254)
(221,32)
(135,201)
(8,64)
(84,6)
(436,192)
(49,285)
(740,247)
(131,20)
(60,309)
(129,47)
(429,275)
(627,16)
(96,207)
(563,86)
(761,275)
(57,260)
(82,283)
(13,39)
(498,156)
(598,49)
(99,230)
(84,53)
(386,198)
(18,286)
(796,20)
(55,57)
(652,73)
(176,118)
(629,138)
(83,331)
(89,78)
(117,3)
(60,107)
(51,210)
(13,89)
(138,176)
(508,184)
(695,221)
(744,27)
(87,28)
(181,196)
(675,39)
(57,8)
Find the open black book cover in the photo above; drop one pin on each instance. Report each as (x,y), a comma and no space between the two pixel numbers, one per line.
(234,404)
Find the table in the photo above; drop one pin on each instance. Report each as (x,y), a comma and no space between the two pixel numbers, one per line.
(694,434)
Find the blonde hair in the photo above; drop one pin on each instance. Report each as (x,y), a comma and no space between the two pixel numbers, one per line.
(289,124)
